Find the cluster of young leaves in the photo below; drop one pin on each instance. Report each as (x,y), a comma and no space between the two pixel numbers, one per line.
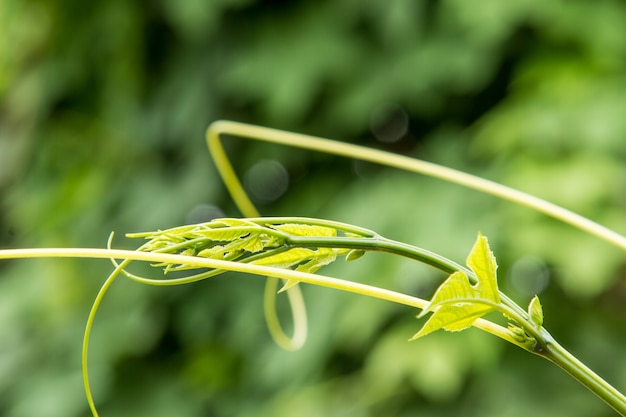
(257,241)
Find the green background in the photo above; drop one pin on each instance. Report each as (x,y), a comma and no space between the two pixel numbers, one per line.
(103,109)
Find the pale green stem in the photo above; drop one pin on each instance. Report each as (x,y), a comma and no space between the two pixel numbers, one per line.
(389,159)
(547,347)
(558,355)
(315,279)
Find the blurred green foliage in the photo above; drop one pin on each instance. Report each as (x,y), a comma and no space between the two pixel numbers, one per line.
(103,107)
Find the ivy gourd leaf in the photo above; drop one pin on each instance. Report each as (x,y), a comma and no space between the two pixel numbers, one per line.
(457,303)
(221,234)
(328,256)
(307,260)
(252,242)
(305,229)
(288,258)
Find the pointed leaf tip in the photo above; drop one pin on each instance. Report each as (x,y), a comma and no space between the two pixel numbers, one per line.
(483,262)
(288,284)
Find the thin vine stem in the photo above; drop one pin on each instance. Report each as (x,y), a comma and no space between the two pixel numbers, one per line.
(90,320)
(558,355)
(315,279)
(242,130)
(299,316)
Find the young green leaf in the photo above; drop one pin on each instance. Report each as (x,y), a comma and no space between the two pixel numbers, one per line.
(222,234)
(326,257)
(305,229)
(524,339)
(307,260)
(354,254)
(482,261)
(288,258)
(535,312)
(252,243)
(457,303)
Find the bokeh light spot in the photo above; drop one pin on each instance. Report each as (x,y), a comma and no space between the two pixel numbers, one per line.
(529,276)
(203,213)
(267,180)
(389,123)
